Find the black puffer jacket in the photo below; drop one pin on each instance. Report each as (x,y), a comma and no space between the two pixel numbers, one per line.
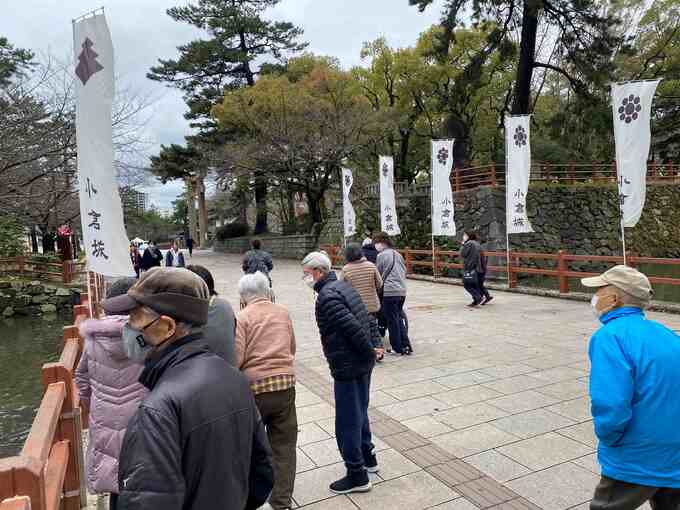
(197,441)
(344,327)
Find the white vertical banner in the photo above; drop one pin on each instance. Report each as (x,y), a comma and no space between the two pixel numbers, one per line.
(388,203)
(632,108)
(518,171)
(350,217)
(106,242)
(443,223)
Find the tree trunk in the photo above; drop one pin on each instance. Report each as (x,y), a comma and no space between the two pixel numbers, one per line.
(202,209)
(261,203)
(527,54)
(191,210)
(34,240)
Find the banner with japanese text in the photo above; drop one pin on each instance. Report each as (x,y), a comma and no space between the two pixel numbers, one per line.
(518,171)
(350,217)
(106,242)
(443,223)
(388,204)
(632,108)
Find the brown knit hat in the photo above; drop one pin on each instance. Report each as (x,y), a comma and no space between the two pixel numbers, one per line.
(172,291)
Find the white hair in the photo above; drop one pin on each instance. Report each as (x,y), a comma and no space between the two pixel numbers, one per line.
(253,286)
(317,260)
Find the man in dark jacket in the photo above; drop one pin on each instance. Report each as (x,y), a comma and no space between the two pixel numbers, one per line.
(152,257)
(257,260)
(197,441)
(471,253)
(344,327)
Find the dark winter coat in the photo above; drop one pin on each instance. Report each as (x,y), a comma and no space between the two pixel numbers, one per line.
(257,260)
(151,258)
(197,441)
(170,257)
(370,252)
(345,328)
(471,252)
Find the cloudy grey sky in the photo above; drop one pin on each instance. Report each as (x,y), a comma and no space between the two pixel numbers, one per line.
(143,33)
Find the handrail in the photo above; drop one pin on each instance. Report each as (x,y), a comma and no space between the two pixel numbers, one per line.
(64,271)
(561,270)
(18,503)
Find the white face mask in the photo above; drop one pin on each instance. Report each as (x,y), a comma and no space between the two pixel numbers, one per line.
(380,246)
(309,281)
(593,304)
(465,238)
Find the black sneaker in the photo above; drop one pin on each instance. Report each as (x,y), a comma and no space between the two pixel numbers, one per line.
(355,481)
(371,463)
(487,300)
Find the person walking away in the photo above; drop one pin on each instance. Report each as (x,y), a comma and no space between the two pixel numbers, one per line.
(135,258)
(108,386)
(190,246)
(152,257)
(257,260)
(392,269)
(472,266)
(265,353)
(368,250)
(635,402)
(220,331)
(197,441)
(484,262)
(366,280)
(174,257)
(344,327)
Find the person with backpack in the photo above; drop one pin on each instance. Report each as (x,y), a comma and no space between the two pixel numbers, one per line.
(257,260)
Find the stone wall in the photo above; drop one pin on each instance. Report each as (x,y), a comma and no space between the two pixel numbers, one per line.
(18,297)
(290,247)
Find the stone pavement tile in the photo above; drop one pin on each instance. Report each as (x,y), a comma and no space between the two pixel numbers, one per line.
(516,504)
(303,463)
(428,455)
(466,416)
(311,433)
(577,409)
(485,492)
(315,412)
(546,362)
(427,426)
(454,472)
(387,428)
(559,374)
(523,401)
(328,425)
(566,389)
(583,432)
(312,486)
(306,398)
(464,379)
(323,453)
(497,466)
(468,395)
(589,462)
(416,491)
(515,384)
(415,390)
(421,374)
(508,370)
(456,504)
(532,423)
(335,503)
(413,408)
(380,398)
(541,452)
(393,464)
(557,488)
(463,443)
(405,441)
(467,365)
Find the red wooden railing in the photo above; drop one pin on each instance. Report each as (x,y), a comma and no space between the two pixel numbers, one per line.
(65,272)
(48,474)
(561,270)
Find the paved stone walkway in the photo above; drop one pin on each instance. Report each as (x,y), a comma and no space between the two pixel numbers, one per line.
(490,412)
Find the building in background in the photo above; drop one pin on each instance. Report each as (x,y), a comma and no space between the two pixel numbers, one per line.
(134,202)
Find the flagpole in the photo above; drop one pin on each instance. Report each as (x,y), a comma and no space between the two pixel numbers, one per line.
(507,211)
(623,239)
(434,267)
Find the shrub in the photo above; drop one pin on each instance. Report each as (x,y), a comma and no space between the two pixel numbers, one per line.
(231,230)
(12,238)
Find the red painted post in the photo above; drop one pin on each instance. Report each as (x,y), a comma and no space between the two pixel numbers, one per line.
(513,274)
(562,268)
(457,180)
(407,258)
(572,173)
(434,262)
(494,181)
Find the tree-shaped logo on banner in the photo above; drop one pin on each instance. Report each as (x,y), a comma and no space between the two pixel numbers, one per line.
(348,181)
(630,108)
(88,65)
(443,155)
(520,136)
(385,169)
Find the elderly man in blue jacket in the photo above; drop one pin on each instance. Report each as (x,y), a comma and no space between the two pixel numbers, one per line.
(635,394)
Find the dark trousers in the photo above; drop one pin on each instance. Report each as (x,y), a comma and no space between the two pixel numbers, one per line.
(616,495)
(392,310)
(352,429)
(473,289)
(280,419)
(481,278)
(376,339)
(113,501)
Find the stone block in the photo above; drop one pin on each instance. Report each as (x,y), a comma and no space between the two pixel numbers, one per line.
(497,466)
(48,308)
(545,451)
(23,300)
(34,289)
(49,289)
(63,292)
(416,491)
(8,312)
(40,299)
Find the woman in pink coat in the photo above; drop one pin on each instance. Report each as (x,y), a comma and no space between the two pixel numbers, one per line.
(107,384)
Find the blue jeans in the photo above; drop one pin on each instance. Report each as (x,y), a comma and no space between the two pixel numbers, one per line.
(352,429)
